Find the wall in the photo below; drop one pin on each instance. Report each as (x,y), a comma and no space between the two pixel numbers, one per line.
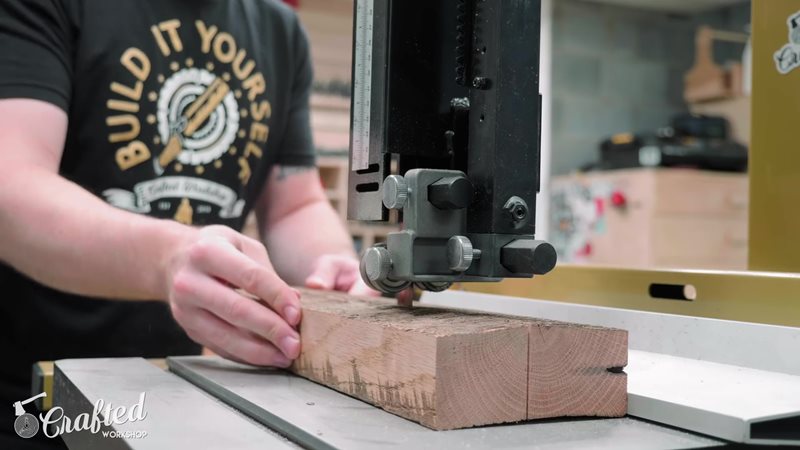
(329,25)
(618,69)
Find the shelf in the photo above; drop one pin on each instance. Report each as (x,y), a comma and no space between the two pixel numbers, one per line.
(330,102)
(378,230)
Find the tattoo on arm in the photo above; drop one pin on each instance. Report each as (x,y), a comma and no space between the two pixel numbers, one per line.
(285,172)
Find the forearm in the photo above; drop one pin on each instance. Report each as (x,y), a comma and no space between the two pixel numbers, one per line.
(64,237)
(298,239)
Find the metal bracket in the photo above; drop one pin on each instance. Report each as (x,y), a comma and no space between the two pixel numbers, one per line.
(435,249)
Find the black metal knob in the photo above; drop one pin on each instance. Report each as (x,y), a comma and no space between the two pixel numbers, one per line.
(528,256)
(451,193)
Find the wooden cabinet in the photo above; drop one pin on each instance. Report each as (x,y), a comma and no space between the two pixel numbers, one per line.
(333,175)
(652,218)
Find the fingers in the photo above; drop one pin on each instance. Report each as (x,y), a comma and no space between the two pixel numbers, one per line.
(335,272)
(325,273)
(220,258)
(342,274)
(238,311)
(256,251)
(231,343)
(361,289)
(405,298)
(349,277)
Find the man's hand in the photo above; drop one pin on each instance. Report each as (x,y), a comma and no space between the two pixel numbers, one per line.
(338,273)
(341,273)
(225,293)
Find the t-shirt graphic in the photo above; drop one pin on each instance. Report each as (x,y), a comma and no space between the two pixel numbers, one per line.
(208,126)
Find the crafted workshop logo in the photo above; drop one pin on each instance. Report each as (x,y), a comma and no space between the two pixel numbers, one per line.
(788,57)
(55,422)
(180,119)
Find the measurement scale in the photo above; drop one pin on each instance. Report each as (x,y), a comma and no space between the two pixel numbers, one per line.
(362,84)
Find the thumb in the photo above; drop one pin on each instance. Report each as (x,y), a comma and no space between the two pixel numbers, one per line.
(325,274)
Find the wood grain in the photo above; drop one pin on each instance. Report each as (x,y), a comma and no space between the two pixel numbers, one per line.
(450,369)
(569,371)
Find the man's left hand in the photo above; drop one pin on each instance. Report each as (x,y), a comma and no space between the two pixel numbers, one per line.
(342,273)
(339,273)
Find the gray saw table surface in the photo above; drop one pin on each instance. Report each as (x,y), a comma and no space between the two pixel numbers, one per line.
(207,402)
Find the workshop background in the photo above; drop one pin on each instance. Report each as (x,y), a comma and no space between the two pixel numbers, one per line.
(646,164)
(610,69)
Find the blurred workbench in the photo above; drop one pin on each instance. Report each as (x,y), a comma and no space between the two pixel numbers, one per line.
(652,218)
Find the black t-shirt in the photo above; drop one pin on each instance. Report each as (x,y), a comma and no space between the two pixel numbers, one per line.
(177,109)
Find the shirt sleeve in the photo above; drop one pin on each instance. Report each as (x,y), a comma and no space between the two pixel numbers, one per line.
(297,148)
(37,41)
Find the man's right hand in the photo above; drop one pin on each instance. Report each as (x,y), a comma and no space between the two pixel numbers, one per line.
(198,270)
(224,292)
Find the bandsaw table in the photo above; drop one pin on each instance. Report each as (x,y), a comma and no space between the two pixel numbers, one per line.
(680,394)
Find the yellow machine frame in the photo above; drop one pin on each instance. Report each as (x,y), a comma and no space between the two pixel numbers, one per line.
(770,292)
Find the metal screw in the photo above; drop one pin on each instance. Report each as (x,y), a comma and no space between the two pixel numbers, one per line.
(517,208)
(460,253)
(480,83)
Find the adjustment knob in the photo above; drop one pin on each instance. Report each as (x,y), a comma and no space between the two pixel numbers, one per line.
(460,253)
(451,193)
(395,192)
(526,256)
(377,263)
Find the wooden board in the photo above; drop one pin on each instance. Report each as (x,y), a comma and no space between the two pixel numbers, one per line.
(450,369)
